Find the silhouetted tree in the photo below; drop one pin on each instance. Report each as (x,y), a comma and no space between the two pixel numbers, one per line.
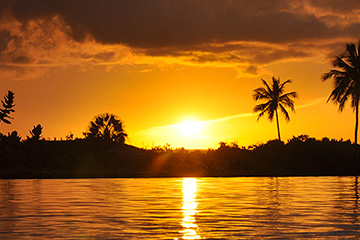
(106,126)
(276,99)
(347,80)
(70,136)
(36,132)
(14,136)
(8,104)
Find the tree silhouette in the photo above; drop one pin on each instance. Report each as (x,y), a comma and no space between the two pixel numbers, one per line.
(36,132)
(106,126)
(14,136)
(8,104)
(276,98)
(347,80)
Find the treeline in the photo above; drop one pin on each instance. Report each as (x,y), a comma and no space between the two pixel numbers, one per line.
(300,156)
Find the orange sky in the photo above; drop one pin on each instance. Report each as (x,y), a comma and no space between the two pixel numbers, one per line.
(158,63)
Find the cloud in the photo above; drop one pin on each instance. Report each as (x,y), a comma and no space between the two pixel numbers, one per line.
(20,73)
(333,12)
(178,24)
(21,59)
(251,70)
(38,44)
(241,34)
(312,103)
(4,39)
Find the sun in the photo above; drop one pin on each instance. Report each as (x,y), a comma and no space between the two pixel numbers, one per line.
(190,127)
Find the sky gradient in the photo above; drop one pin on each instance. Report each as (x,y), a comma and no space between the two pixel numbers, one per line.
(158,63)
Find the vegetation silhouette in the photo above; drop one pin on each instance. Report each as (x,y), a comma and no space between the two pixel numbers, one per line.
(300,156)
(108,127)
(8,105)
(14,137)
(276,99)
(104,153)
(35,133)
(347,81)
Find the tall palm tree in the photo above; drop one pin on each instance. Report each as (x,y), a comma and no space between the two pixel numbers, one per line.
(347,80)
(107,126)
(275,99)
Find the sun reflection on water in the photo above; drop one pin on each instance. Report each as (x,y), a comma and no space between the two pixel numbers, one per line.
(190,228)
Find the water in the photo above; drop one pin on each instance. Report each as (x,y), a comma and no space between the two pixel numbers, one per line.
(176,208)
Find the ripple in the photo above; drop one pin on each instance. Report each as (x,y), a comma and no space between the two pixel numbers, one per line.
(177,208)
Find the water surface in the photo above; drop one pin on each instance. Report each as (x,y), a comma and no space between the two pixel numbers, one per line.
(177,208)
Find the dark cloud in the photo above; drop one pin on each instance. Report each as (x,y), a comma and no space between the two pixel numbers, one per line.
(347,6)
(21,60)
(234,32)
(105,55)
(15,72)
(251,70)
(168,23)
(5,37)
(277,54)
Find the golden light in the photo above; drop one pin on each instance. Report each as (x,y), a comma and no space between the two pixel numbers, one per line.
(190,228)
(190,127)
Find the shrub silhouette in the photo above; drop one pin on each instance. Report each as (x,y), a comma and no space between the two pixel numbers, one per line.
(36,132)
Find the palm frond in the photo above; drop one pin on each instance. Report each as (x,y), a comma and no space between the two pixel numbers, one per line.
(268,89)
(282,85)
(286,114)
(270,112)
(340,63)
(289,95)
(275,97)
(261,93)
(354,101)
(351,52)
(332,73)
(342,99)
(262,108)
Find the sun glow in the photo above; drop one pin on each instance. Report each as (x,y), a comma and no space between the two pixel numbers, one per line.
(190,127)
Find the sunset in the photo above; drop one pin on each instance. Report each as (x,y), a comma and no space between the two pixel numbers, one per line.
(156,64)
(160,100)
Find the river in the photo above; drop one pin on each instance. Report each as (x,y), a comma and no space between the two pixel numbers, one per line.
(180,208)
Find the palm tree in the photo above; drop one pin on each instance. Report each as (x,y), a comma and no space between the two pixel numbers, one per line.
(106,126)
(347,80)
(8,105)
(276,98)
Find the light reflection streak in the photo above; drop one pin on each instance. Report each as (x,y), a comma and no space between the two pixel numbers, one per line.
(190,228)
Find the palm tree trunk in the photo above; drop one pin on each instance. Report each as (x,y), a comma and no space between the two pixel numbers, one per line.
(356,120)
(277,123)
(356,128)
